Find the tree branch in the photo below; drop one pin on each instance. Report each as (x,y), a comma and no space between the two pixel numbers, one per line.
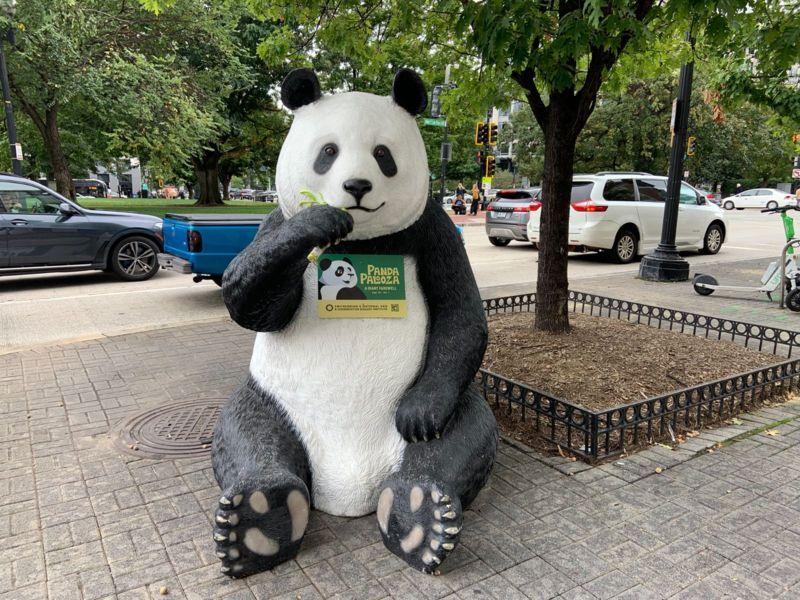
(525,79)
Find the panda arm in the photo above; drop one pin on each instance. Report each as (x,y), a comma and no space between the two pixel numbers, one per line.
(457,334)
(263,285)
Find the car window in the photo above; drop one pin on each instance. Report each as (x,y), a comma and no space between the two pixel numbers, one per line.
(652,190)
(620,190)
(514,195)
(688,195)
(581,190)
(763,193)
(748,193)
(18,198)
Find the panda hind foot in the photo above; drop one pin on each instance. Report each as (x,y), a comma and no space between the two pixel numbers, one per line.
(260,523)
(419,522)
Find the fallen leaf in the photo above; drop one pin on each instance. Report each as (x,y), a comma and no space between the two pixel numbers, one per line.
(772,432)
(659,469)
(737,421)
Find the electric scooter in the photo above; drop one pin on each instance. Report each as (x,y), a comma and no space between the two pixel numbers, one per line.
(787,279)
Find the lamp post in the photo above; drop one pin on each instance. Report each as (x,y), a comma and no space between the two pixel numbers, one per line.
(9,8)
(664,263)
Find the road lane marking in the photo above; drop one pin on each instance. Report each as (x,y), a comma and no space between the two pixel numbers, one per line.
(79,296)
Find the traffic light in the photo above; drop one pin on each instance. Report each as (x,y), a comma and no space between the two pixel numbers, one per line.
(481,133)
(691,146)
(436,105)
(489,166)
(492,134)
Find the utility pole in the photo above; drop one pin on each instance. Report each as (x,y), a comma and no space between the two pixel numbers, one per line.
(664,263)
(9,8)
(445,154)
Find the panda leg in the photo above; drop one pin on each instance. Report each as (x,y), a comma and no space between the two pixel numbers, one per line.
(262,467)
(420,506)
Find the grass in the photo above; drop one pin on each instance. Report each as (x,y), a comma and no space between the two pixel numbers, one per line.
(160,206)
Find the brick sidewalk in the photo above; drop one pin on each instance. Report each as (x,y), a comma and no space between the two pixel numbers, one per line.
(80,520)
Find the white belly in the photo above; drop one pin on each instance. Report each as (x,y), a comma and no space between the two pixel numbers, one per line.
(339,381)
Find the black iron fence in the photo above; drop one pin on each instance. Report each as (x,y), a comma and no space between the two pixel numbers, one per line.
(598,435)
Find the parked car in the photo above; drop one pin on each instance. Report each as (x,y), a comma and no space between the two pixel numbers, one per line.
(759,198)
(623,213)
(507,215)
(266,196)
(204,244)
(41,232)
(710,196)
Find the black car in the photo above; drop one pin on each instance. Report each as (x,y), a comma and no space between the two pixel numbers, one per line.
(41,231)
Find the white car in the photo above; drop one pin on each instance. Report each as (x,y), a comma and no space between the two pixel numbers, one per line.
(759,198)
(623,213)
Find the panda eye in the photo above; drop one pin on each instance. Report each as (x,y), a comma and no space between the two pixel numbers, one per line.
(385,161)
(325,158)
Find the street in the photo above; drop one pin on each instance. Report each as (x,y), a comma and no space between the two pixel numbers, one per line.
(46,309)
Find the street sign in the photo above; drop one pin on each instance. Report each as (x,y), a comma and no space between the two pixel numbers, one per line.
(435,102)
(437,122)
(17,148)
(487,182)
(795,173)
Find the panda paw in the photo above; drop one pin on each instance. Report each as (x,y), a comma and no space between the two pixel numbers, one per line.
(419,521)
(260,523)
(324,225)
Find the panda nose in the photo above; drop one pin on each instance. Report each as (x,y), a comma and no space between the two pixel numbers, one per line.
(357,188)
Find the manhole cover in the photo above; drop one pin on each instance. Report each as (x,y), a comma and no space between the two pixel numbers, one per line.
(177,430)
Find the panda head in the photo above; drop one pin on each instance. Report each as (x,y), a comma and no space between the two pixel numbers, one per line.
(362,152)
(338,273)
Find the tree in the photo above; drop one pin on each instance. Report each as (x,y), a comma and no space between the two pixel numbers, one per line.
(91,76)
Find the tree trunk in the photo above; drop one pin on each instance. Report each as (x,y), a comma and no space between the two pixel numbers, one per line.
(552,285)
(55,152)
(225,180)
(206,169)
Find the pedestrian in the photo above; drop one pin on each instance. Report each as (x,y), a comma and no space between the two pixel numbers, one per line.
(738,187)
(476,198)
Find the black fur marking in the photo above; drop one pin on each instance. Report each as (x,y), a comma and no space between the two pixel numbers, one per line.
(256,450)
(385,160)
(300,87)
(263,285)
(450,471)
(325,159)
(408,91)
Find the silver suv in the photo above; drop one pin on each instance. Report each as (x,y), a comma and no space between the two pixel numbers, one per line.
(507,216)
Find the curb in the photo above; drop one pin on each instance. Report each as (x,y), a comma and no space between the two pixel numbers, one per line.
(644,463)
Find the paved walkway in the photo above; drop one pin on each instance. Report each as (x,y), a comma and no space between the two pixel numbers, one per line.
(80,520)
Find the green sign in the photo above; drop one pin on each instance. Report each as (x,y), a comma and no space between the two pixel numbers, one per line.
(435,122)
(354,286)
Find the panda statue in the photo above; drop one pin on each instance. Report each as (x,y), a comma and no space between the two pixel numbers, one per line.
(354,415)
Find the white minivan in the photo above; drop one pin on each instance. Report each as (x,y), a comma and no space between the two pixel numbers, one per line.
(623,213)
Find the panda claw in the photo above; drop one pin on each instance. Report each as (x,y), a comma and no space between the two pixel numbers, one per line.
(218,537)
(449,515)
(221,554)
(452,530)
(445,499)
(225,569)
(225,501)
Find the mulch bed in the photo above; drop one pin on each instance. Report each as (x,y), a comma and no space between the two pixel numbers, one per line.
(603,362)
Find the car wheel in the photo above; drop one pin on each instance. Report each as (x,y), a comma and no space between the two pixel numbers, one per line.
(135,258)
(712,242)
(772,205)
(496,241)
(728,205)
(624,250)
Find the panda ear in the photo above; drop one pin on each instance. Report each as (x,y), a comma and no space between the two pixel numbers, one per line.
(324,264)
(409,92)
(300,87)
(348,261)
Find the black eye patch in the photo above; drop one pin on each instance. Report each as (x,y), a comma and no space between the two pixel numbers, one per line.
(339,271)
(385,161)
(325,158)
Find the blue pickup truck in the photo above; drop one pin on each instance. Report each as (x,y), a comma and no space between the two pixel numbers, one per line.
(204,244)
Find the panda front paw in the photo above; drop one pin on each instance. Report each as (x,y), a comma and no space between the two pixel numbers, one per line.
(323,225)
(423,414)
